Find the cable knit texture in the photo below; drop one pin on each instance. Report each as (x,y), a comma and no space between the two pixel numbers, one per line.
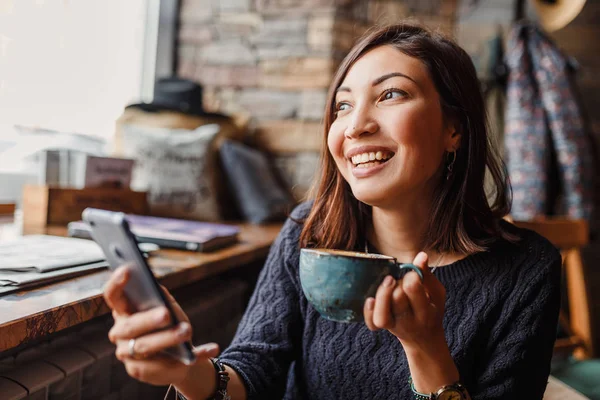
(500,323)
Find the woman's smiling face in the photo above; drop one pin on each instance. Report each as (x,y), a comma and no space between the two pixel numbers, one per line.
(389,136)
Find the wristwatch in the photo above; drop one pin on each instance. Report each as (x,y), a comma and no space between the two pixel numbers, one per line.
(455,391)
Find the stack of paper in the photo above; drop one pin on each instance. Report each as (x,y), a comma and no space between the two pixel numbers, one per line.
(37,259)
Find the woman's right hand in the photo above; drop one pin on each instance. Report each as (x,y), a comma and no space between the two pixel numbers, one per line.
(148,364)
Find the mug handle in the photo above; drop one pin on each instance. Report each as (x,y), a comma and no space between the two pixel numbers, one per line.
(412,267)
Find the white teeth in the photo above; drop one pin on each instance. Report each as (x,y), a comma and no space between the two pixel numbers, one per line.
(366,165)
(372,156)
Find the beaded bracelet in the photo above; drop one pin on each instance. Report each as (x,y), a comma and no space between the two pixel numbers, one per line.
(419,396)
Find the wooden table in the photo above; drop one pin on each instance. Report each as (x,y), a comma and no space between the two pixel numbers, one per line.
(32,314)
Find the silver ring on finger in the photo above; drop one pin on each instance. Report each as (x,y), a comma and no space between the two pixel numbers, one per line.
(132,352)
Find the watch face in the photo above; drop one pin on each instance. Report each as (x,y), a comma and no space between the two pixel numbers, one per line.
(450,394)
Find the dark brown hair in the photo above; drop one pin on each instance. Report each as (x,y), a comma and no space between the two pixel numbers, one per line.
(461,219)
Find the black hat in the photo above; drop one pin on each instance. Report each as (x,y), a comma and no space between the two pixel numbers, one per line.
(176,94)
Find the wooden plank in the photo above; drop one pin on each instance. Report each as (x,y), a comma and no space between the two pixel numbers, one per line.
(43,205)
(33,314)
(66,205)
(564,233)
(570,236)
(579,306)
(7,208)
(35,205)
(566,345)
(289,136)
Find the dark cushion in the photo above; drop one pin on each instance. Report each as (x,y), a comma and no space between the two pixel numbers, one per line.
(257,193)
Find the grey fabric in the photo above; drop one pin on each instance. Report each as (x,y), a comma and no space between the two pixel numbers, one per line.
(177,168)
(257,193)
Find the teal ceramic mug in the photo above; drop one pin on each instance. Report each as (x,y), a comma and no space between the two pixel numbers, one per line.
(338,282)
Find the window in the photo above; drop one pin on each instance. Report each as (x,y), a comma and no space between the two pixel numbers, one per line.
(72,65)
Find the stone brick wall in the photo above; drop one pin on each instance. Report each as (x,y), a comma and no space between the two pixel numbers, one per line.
(274,60)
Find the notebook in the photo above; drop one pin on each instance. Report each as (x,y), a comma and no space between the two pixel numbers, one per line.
(43,253)
(172,233)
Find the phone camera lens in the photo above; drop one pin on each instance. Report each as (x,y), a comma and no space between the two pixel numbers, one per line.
(115,250)
(118,253)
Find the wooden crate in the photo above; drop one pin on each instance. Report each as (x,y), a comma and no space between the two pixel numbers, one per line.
(7,209)
(45,205)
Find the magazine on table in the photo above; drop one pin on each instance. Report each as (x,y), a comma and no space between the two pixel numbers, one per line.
(44,253)
(11,281)
(172,233)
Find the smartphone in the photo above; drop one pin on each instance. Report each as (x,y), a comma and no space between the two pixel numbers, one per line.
(111,231)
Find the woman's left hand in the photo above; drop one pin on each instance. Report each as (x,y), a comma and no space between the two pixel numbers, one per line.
(410,309)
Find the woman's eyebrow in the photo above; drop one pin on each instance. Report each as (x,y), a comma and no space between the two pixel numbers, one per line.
(392,75)
(343,89)
(380,80)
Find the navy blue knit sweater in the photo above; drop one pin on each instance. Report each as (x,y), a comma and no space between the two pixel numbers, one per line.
(500,323)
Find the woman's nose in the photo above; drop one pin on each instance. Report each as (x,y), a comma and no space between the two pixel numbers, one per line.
(361,124)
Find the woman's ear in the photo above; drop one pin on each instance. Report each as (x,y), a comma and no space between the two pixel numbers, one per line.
(453,135)
(454,141)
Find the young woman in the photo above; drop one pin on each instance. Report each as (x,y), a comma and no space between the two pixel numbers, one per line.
(406,150)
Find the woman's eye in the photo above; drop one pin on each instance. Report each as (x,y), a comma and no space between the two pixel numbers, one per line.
(342,106)
(393,94)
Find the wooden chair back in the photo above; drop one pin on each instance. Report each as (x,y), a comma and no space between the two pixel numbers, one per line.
(569,236)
